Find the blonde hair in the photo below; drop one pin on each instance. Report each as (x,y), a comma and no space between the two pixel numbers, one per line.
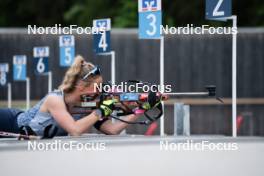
(76,72)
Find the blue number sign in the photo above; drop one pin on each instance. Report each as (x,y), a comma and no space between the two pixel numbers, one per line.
(101,39)
(4,68)
(19,68)
(67,50)
(218,9)
(41,63)
(149,19)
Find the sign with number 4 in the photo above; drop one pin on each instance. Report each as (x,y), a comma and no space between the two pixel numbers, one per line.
(41,64)
(19,68)
(218,9)
(101,40)
(66,50)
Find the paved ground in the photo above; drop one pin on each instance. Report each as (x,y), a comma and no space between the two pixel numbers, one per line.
(135,155)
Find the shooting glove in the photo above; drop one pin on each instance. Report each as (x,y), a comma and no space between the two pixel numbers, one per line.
(107,107)
(153,101)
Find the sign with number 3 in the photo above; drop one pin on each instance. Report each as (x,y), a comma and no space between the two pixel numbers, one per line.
(149,19)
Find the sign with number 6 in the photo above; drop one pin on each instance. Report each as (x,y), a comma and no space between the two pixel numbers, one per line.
(67,51)
(19,68)
(41,64)
(218,9)
(149,19)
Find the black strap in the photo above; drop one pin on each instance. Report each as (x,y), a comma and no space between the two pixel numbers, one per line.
(50,131)
(26,130)
(99,123)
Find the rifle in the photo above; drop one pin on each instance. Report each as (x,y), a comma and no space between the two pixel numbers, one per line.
(146,103)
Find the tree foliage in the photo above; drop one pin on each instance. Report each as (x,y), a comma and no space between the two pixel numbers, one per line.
(20,13)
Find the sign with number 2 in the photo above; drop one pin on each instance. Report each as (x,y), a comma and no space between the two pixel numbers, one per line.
(218,9)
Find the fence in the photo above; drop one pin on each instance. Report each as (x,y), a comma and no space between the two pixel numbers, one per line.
(191,61)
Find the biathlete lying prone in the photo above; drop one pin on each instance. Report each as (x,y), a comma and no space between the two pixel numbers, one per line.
(79,80)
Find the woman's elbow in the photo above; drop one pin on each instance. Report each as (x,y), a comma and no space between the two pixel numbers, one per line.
(111,132)
(75,132)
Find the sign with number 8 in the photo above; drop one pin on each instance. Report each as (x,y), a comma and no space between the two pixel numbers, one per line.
(3,78)
(4,69)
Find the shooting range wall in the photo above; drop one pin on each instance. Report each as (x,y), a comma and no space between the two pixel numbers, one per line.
(191,62)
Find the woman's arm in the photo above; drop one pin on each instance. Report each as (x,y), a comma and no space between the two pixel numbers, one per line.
(116,128)
(58,110)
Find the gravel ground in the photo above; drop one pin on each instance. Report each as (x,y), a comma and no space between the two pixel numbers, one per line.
(135,155)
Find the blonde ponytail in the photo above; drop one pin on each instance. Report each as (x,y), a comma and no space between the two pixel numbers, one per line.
(77,70)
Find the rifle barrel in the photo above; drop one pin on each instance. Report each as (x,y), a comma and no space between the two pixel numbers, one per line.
(19,136)
(187,93)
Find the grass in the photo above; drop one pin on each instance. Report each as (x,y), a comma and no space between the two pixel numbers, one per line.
(20,104)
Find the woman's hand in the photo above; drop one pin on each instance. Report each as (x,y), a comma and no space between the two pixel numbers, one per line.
(107,107)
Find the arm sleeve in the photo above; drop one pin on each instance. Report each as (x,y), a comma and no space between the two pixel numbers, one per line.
(99,123)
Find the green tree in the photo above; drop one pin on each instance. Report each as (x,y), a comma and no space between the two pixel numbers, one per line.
(20,13)
(24,12)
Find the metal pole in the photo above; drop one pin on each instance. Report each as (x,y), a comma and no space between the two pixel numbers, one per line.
(178,119)
(186,120)
(234,78)
(28,92)
(234,75)
(9,95)
(162,81)
(181,119)
(113,80)
(50,81)
(113,67)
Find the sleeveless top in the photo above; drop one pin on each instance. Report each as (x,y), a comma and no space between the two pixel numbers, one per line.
(38,121)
